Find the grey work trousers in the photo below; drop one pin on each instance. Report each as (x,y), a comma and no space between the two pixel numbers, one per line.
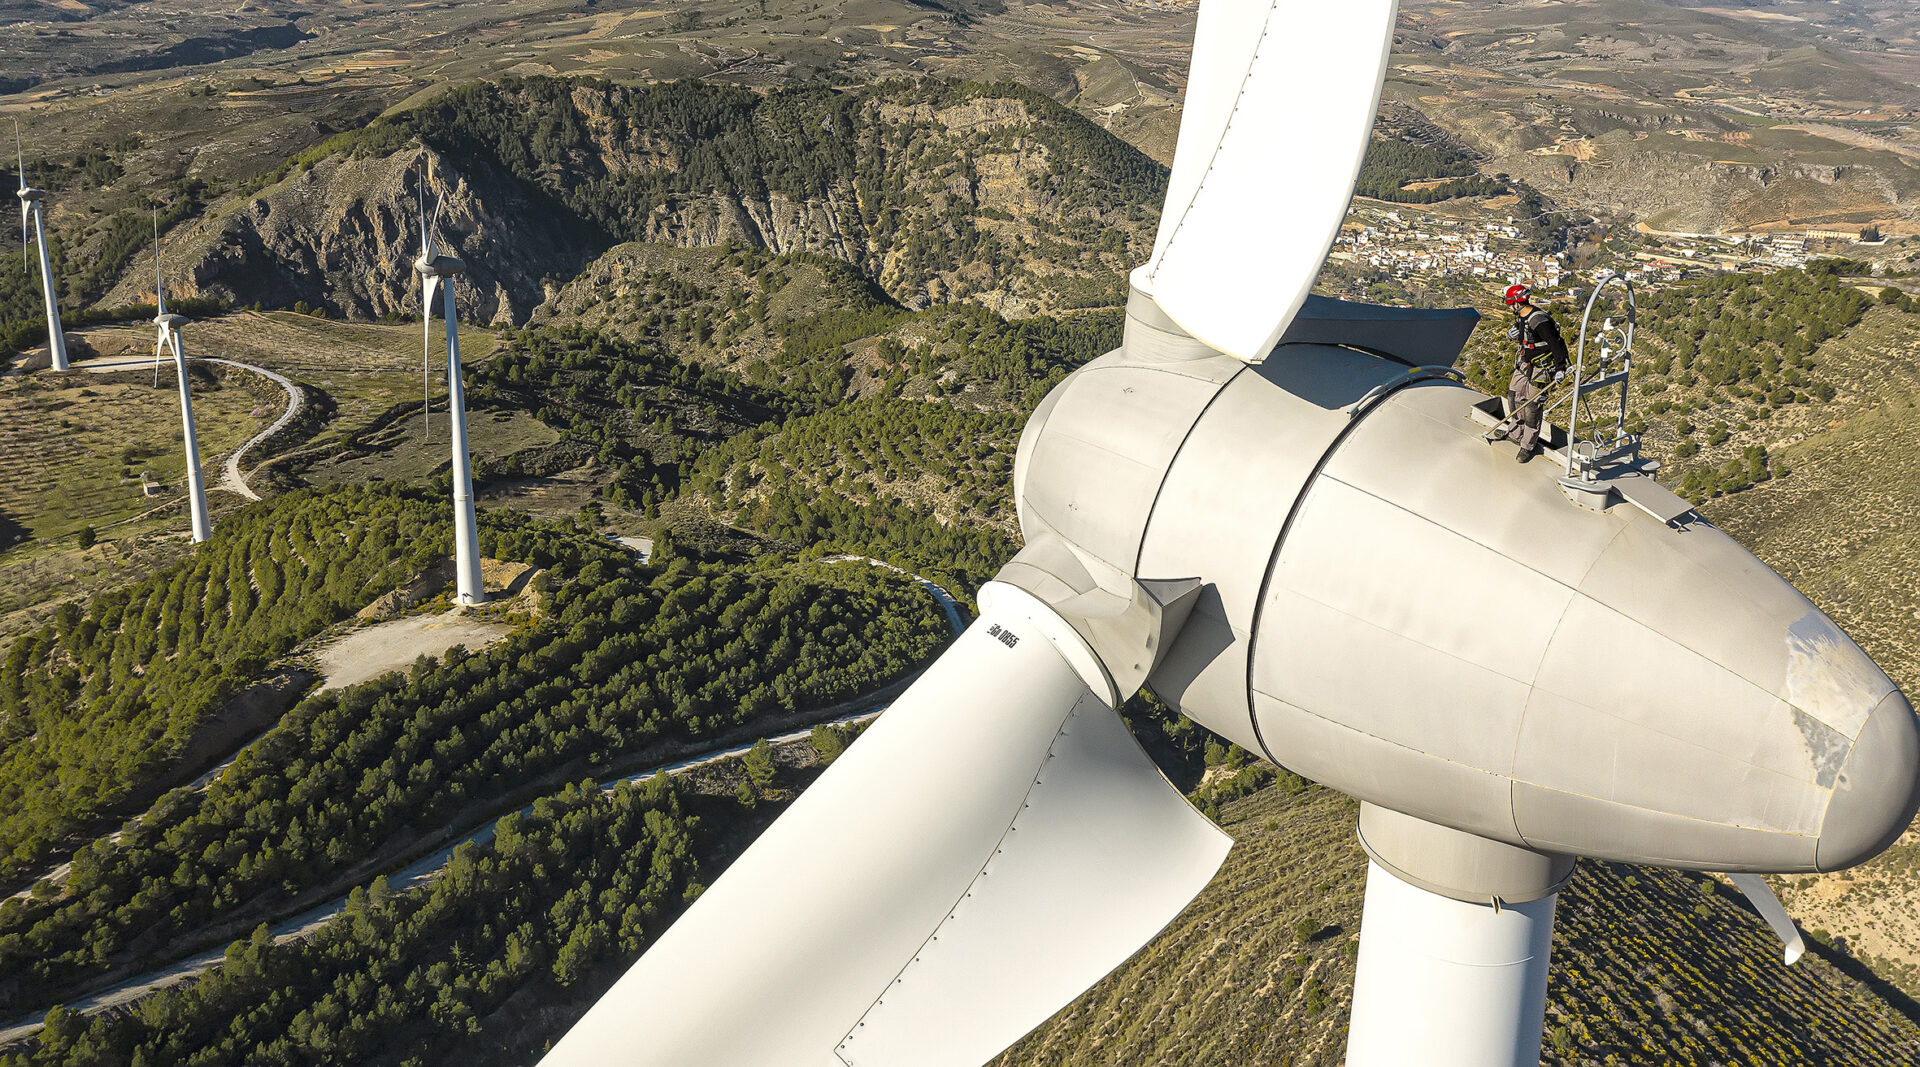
(1523,399)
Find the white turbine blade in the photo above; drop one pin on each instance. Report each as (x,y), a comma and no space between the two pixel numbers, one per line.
(427,285)
(26,261)
(1760,895)
(159,284)
(994,845)
(1279,110)
(426,229)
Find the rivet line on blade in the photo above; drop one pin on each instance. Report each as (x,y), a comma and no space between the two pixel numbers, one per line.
(1153,268)
(953,914)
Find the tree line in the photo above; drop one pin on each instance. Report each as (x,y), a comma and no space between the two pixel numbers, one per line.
(98,704)
(412,978)
(623,656)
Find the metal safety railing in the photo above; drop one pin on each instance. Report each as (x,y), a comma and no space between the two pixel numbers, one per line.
(1612,368)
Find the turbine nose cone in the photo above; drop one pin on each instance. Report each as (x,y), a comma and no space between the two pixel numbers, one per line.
(1878,788)
(1596,683)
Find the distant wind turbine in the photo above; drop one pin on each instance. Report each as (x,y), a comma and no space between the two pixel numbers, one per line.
(169,339)
(32,216)
(437,272)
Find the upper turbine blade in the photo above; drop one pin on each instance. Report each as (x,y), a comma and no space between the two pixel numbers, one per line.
(994,845)
(159,285)
(1760,895)
(1279,110)
(428,227)
(26,262)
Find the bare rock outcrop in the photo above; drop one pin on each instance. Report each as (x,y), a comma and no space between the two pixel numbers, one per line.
(343,233)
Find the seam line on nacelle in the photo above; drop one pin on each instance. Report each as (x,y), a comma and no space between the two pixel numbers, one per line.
(1166,473)
(1574,595)
(1293,513)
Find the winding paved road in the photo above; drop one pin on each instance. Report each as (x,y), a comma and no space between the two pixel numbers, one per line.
(231,480)
(426,868)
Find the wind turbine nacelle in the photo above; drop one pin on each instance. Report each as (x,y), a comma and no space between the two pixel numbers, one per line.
(30,194)
(1396,609)
(440,266)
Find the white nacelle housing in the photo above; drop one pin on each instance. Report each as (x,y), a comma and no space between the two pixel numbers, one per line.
(1394,608)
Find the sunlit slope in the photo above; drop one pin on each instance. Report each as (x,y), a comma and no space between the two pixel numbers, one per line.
(77,445)
(935,191)
(1650,967)
(1845,527)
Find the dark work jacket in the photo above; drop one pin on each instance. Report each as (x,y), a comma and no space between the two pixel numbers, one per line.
(1541,344)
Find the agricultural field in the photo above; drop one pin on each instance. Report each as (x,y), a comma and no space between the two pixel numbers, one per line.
(361,368)
(77,446)
(412,448)
(80,444)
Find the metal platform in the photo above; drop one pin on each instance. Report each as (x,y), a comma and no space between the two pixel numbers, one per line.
(1614,478)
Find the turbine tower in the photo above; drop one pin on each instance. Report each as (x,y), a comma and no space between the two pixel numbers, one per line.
(1282,512)
(32,217)
(437,272)
(169,340)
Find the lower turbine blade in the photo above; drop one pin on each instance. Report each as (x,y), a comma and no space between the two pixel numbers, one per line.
(1760,895)
(426,354)
(992,846)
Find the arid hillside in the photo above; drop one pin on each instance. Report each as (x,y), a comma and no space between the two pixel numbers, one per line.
(936,192)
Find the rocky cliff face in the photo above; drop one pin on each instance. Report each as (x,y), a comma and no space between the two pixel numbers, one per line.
(936,192)
(1694,193)
(342,235)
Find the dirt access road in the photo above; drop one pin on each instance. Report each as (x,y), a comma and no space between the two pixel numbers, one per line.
(231,480)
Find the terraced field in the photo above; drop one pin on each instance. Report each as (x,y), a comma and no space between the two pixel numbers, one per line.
(364,368)
(76,445)
(403,451)
(1845,527)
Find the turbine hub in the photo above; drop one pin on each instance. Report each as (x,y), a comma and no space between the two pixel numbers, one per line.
(440,266)
(27,193)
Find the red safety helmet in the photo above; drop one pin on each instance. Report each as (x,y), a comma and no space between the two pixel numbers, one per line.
(1518,294)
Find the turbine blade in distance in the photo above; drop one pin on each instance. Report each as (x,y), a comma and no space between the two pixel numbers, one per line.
(991,847)
(1760,895)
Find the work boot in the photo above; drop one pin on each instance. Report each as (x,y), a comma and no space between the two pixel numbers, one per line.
(1525,454)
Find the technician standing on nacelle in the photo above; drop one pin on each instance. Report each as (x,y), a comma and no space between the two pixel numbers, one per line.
(1543,361)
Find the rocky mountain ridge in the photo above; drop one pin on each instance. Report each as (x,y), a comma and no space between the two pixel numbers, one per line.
(936,192)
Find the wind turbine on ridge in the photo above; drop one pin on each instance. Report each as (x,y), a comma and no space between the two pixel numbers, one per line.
(437,271)
(168,339)
(32,212)
(1281,511)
